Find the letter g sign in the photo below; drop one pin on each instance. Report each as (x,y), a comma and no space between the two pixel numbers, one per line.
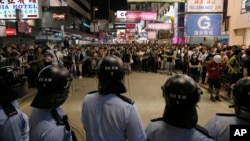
(204,22)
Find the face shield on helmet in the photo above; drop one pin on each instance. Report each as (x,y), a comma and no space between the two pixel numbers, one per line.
(110,74)
(217,59)
(53,87)
(11,84)
(241,97)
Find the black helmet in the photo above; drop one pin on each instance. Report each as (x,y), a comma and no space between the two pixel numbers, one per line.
(181,94)
(111,73)
(241,94)
(11,84)
(53,87)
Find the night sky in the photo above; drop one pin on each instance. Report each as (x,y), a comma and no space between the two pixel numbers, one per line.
(102,5)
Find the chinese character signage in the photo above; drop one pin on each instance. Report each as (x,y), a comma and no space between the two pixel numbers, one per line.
(205,5)
(31,9)
(200,25)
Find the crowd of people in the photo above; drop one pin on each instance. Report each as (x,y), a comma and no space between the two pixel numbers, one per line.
(107,114)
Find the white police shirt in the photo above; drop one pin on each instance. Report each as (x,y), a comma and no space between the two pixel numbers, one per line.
(162,131)
(16,128)
(110,118)
(219,126)
(43,126)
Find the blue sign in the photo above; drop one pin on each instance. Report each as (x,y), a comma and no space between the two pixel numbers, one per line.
(203,25)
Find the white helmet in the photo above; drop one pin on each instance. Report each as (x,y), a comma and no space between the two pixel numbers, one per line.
(217,59)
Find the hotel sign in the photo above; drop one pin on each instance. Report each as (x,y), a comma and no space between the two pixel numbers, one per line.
(31,9)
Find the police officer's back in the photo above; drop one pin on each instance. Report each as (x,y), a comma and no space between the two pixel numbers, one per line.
(106,114)
(47,120)
(179,121)
(14,124)
(219,126)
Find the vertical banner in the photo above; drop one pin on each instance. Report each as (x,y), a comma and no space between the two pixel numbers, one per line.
(176,8)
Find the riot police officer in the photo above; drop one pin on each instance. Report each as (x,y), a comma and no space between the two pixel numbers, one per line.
(106,114)
(219,126)
(14,125)
(179,121)
(47,120)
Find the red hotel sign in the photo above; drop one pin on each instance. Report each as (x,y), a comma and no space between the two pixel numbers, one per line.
(137,16)
(159,26)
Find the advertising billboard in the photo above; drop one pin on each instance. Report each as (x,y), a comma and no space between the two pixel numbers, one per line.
(201,25)
(30,9)
(159,26)
(155,1)
(138,16)
(205,5)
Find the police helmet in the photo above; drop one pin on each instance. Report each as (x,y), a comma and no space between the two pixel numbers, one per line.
(181,91)
(110,74)
(181,94)
(53,87)
(217,59)
(11,84)
(241,97)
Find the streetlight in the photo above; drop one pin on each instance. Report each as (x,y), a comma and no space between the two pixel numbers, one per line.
(94,10)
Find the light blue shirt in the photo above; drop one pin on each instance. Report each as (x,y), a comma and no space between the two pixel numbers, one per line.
(109,118)
(161,131)
(15,128)
(219,126)
(43,126)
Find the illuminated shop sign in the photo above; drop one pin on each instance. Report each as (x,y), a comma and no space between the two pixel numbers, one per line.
(30,9)
(121,14)
(57,16)
(205,5)
(10,32)
(158,26)
(200,25)
(137,16)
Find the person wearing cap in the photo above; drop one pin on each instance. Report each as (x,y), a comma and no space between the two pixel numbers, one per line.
(219,125)
(107,115)
(179,120)
(213,70)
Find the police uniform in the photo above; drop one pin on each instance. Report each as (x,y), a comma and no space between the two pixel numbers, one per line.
(14,125)
(111,118)
(219,126)
(43,127)
(47,122)
(158,130)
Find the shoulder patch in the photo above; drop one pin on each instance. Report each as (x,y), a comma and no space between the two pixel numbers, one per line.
(124,98)
(92,92)
(156,119)
(225,114)
(203,131)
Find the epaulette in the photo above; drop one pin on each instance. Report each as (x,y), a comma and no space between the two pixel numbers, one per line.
(156,119)
(9,109)
(203,131)
(124,98)
(225,114)
(92,92)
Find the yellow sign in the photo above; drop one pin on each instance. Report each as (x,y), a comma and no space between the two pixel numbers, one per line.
(155,1)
